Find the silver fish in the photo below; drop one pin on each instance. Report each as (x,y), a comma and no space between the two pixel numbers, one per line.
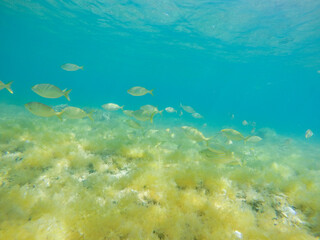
(112,107)
(76,113)
(142,115)
(253,139)
(42,110)
(232,134)
(188,109)
(139,91)
(197,115)
(170,109)
(50,91)
(195,134)
(71,67)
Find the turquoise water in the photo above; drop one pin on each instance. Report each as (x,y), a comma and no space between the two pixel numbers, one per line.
(257,60)
(230,60)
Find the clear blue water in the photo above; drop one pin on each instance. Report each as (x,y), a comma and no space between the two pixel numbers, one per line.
(255,59)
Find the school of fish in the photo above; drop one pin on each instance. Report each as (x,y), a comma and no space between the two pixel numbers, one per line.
(144,113)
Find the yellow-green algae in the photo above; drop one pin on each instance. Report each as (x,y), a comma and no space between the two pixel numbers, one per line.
(79,179)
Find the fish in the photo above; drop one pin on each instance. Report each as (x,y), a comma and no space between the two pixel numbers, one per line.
(139,91)
(151,109)
(220,156)
(194,134)
(71,67)
(128,113)
(50,91)
(76,113)
(133,124)
(181,113)
(112,107)
(170,110)
(197,115)
(6,86)
(142,115)
(245,123)
(308,134)
(42,110)
(253,139)
(188,109)
(232,134)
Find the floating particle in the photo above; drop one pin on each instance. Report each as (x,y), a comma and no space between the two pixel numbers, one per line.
(308,134)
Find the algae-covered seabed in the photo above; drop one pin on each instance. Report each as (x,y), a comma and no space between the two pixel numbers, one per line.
(77,179)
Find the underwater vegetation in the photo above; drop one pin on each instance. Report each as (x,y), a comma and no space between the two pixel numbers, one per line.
(115,178)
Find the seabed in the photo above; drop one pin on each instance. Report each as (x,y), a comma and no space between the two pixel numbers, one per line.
(78,179)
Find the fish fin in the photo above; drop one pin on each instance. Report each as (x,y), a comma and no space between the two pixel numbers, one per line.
(8,87)
(81,67)
(151,92)
(66,94)
(90,116)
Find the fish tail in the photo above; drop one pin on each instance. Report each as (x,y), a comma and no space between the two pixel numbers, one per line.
(90,116)
(207,141)
(151,119)
(122,107)
(151,92)
(66,94)
(81,67)
(59,115)
(8,87)
(161,112)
